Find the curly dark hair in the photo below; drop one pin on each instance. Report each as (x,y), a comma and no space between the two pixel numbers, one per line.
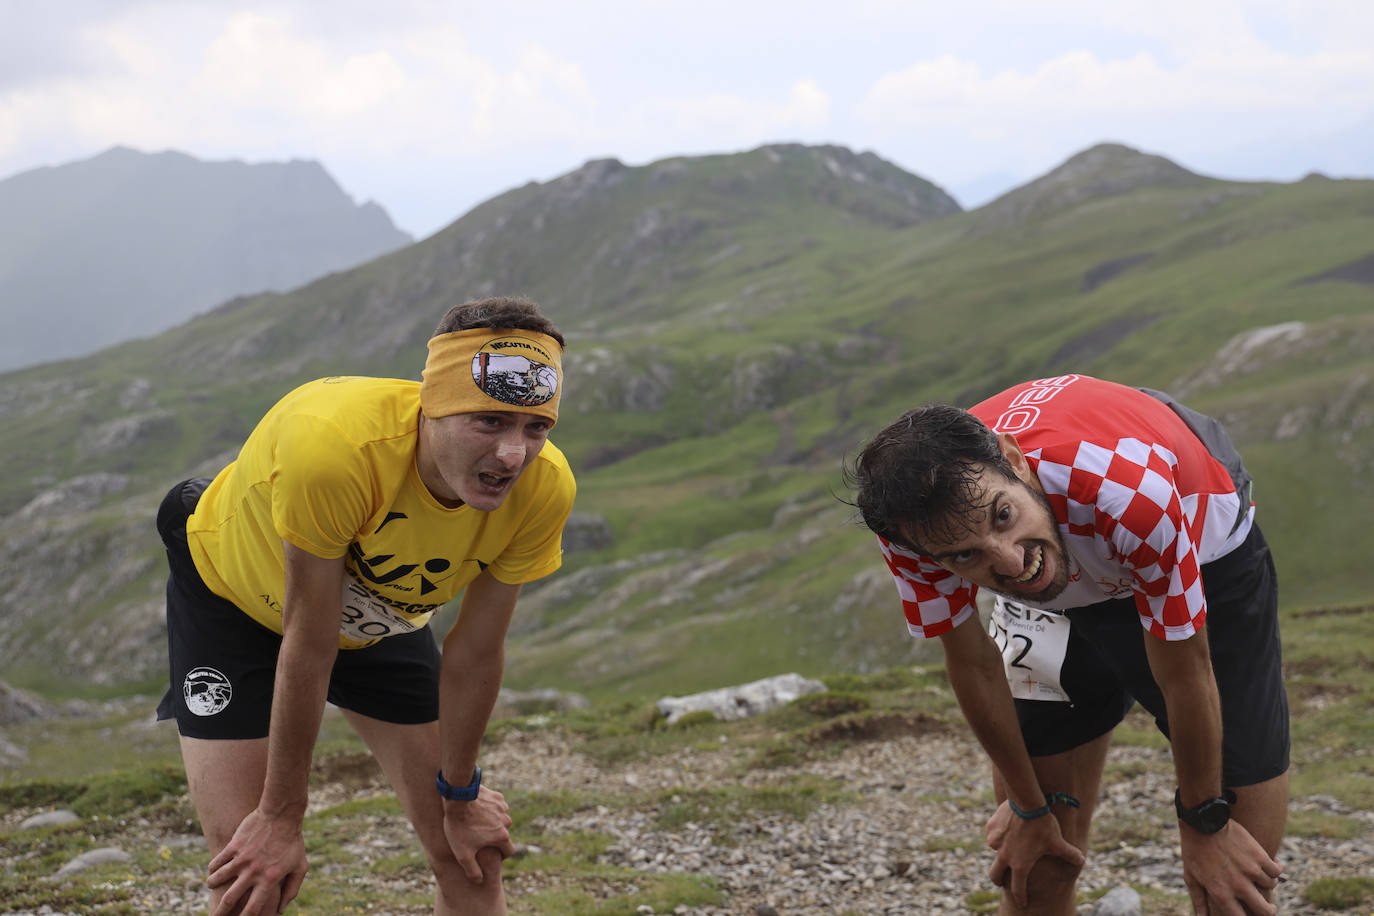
(918,478)
(498,312)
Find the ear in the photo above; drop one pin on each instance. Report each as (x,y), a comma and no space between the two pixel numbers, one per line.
(1011,450)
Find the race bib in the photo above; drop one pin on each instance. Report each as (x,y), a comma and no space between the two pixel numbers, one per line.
(367,618)
(1033,643)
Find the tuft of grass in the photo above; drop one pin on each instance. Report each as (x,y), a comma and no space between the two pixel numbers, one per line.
(1324,825)
(972,844)
(1109,833)
(108,794)
(983,901)
(618,893)
(695,718)
(721,808)
(1339,893)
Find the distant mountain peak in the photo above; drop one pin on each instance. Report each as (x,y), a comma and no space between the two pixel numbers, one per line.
(1104,170)
(161,236)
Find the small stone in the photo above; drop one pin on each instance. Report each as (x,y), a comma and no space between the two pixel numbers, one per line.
(49,819)
(1119,901)
(103,856)
(765,909)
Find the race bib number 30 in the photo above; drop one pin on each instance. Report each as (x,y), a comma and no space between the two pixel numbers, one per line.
(366,617)
(1033,643)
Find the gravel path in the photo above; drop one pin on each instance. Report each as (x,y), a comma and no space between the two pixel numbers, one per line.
(911,846)
(908,842)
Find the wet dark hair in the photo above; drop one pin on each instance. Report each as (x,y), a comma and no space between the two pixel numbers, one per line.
(918,478)
(498,312)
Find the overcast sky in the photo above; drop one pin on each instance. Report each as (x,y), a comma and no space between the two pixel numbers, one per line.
(431,107)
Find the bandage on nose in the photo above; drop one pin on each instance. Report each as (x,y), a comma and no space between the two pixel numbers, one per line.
(506,451)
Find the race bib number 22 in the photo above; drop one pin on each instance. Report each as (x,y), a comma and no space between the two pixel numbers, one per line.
(1033,643)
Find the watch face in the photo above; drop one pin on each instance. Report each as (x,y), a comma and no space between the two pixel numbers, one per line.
(1210,816)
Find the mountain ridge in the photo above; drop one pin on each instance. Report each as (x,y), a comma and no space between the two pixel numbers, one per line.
(156,237)
(737,325)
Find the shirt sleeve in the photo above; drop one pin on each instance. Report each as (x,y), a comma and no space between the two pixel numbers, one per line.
(1141,515)
(934,599)
(537,548)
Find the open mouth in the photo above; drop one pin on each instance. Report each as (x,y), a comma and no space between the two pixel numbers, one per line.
(1032,571)
(495,481)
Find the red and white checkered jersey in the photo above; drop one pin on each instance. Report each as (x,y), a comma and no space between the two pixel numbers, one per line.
(1140,501)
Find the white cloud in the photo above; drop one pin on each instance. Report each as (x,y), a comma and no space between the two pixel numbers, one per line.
(724,120)
(1079,92)
(431,106)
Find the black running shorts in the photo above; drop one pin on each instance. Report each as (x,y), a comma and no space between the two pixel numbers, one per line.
(223,662)
(1106,671)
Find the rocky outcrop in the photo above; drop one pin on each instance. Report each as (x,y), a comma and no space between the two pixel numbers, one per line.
(730,704)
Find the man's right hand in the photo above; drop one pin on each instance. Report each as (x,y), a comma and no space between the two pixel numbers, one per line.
(1020,844)
(263,864)
(470,826)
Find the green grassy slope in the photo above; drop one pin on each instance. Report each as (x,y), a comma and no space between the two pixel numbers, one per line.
(738,325)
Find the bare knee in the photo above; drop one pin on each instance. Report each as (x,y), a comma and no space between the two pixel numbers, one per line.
(1263,810)
(457,893)
(1050,889)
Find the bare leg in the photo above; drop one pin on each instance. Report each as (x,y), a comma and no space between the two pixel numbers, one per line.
(409,756)
(225,779)
(1051,889)
(1263,810)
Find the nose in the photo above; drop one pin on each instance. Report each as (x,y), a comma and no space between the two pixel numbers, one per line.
(1008,559)
(511,452)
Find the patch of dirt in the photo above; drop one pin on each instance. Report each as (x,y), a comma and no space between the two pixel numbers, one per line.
(1102,338)
(876,727)
(1345,611)
(350,770)
(1108,270)
(1361,271)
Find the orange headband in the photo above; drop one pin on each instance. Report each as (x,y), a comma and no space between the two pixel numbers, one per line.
(483,369)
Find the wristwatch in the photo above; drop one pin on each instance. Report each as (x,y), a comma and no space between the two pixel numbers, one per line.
(1208,817)
(459,793)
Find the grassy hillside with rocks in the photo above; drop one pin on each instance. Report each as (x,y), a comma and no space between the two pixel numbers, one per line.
(738,325)
(866,798)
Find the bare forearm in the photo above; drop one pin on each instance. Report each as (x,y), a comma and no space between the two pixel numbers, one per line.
(467,695)
(1183,670)
(980,685)
(1195,733)
(470,677)
(299,693)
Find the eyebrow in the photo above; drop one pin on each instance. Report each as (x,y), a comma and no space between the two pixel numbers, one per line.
(998,497)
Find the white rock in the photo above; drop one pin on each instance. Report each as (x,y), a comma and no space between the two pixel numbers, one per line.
(1119,901)
(733,703)
(49,819)
(103,856)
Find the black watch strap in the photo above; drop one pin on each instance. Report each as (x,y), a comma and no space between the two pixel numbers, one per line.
(1208,817)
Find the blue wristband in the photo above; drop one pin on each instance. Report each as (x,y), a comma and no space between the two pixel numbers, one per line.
(1054,798)
(1030,815)
(459,793)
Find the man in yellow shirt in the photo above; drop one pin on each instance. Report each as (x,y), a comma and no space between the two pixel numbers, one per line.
(307,570)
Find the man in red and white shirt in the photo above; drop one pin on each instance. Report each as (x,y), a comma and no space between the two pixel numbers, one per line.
(1114,528)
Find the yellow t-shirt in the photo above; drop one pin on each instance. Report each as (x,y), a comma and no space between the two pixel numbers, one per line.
(331,469)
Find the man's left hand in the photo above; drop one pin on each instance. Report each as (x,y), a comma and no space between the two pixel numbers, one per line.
(471,826)
(1228,873)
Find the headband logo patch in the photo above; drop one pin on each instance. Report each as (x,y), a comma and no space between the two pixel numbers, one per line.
(515,370)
